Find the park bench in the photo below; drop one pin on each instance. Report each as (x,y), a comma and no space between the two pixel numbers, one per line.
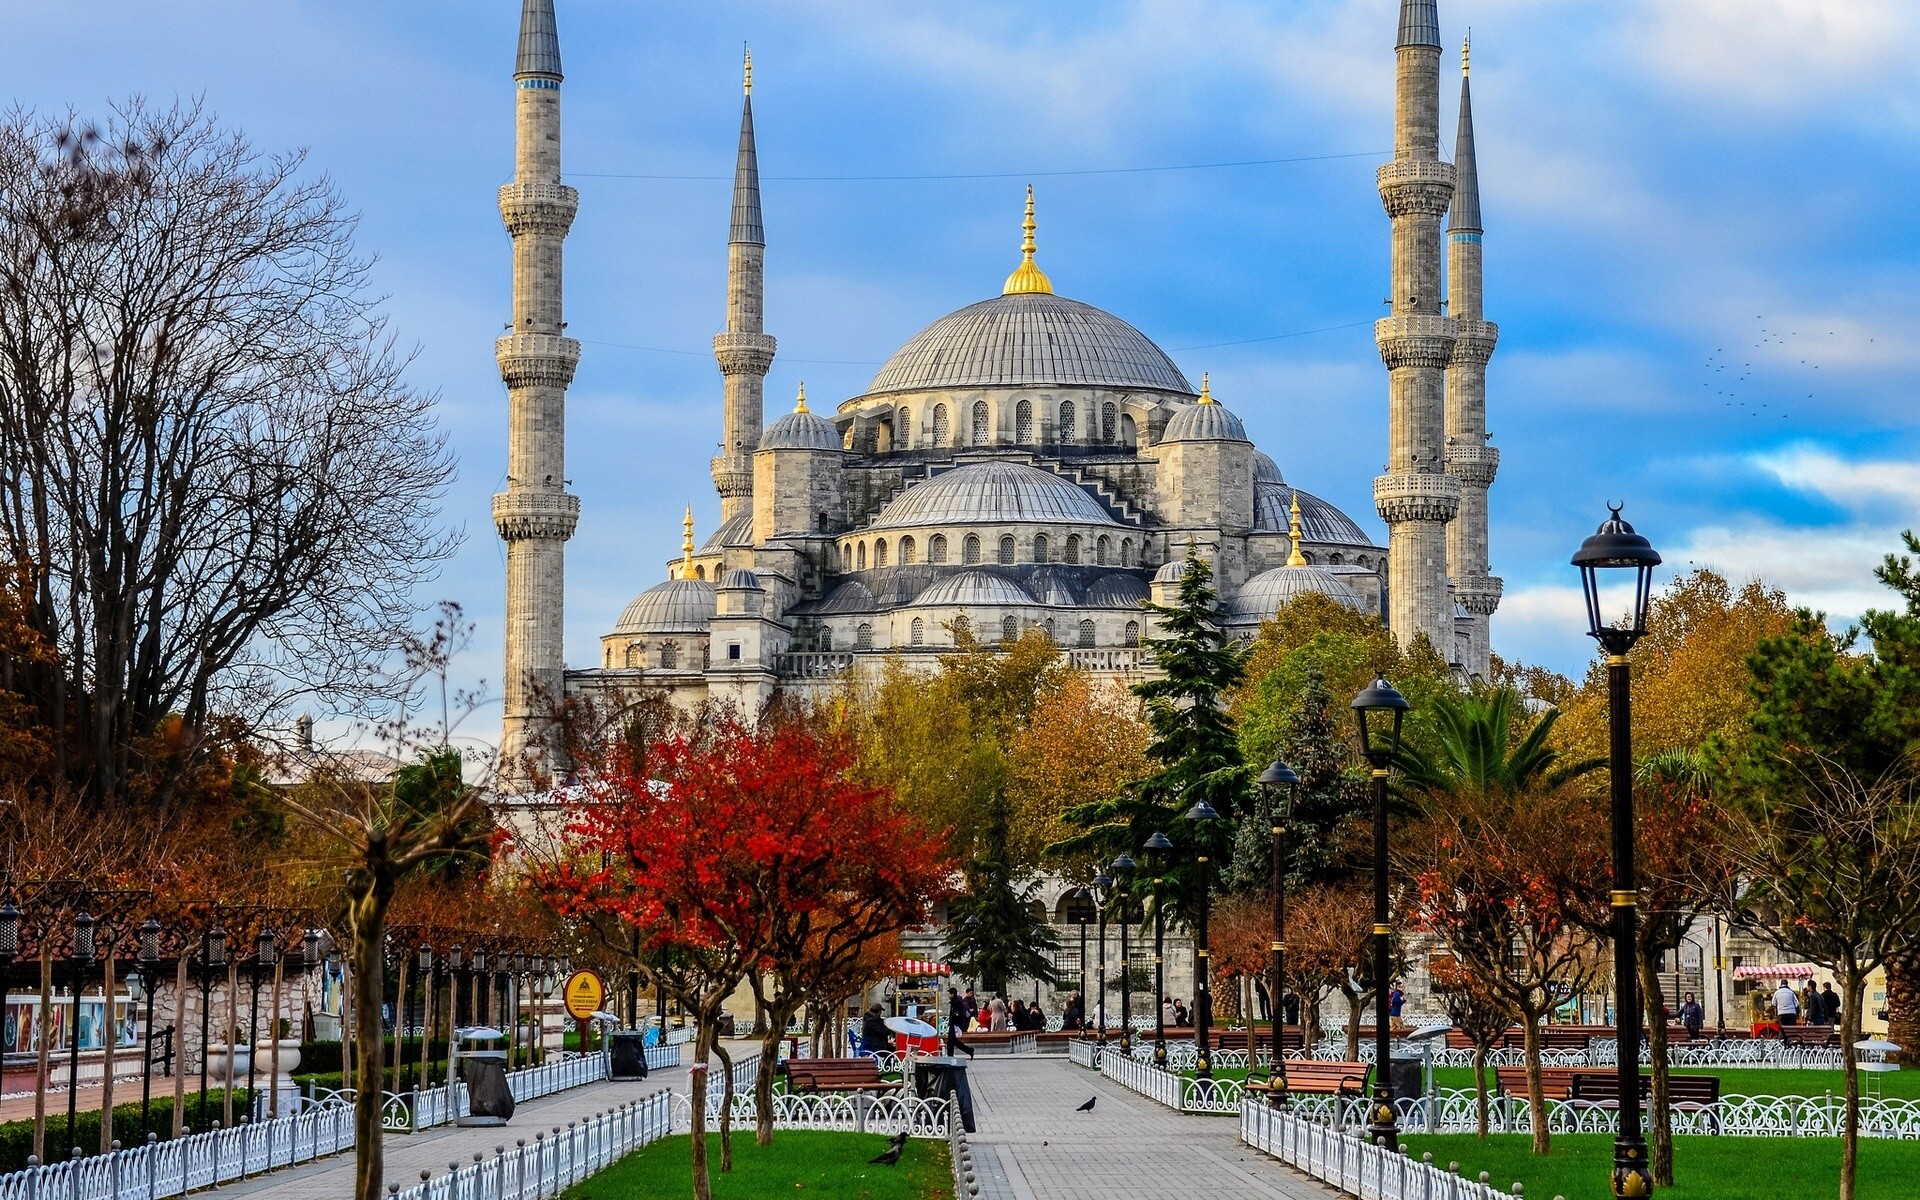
(1556,1083)
(1603,1087)
(1808,1035)
(836,1075)
(1318,1079)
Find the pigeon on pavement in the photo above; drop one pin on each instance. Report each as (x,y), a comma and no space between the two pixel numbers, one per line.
(1088,1106)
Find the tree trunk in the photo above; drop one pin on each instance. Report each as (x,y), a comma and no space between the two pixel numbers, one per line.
(1480,1090)
(704,1036)
(111,1028)
(1853,983)
(46,1039)
(1903,996)
(1536,1087)
(367,912)
(726,1106)
(230,1037)
(273,1039)
(1353,1028)
(1660,1109)
(778,1017)
(179,1044)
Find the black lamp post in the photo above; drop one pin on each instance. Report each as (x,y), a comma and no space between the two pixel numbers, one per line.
(1615,546)
(423,975)
(82,956)
(1079,911)
(1381,710)
(1203,816)
(1123,869)
(456,971)
(1102,892)
(1157,848)
(481,993)
(213,958)
(1272,780)
(149,960)
(265,949)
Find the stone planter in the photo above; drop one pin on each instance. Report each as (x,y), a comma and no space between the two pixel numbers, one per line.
(227,1065)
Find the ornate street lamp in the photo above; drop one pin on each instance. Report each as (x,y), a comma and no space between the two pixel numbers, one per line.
(213,958)
(1102,892)
(265,951)
(423,970)
(1157,848)
(149,960)
(1123,869)
(1615,546)
(1203,816)
(81,957)
(456,968)
(1381,710)
(1275,777)
(1080,912)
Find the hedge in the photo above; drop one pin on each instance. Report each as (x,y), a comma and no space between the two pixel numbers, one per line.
(16,1137)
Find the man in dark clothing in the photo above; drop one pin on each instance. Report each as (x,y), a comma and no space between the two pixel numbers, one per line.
(1073,1017)
(874,1034)
(1829,1005)
(956,1023)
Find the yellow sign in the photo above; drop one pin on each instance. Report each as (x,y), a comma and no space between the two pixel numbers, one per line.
(584,995)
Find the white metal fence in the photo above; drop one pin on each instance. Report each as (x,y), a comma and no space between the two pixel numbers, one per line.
(555,1161)
(1350,1163)
(1085,1054)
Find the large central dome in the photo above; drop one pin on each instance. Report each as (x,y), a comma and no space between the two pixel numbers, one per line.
(1030,339)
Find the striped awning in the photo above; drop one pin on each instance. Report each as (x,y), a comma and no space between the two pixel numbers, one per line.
(1775,971)
(920,966)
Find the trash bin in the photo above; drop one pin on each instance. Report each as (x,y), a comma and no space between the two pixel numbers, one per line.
(1407,1079)
(628,1054)
(942,1078)
(489,1099)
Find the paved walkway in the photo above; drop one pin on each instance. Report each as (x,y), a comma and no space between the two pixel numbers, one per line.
(1032,1145)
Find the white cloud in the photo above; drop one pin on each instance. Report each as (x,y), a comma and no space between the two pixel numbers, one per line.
(1777,53)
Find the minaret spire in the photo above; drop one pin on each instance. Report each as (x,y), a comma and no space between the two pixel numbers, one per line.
(1416,497)
(744,351)
(535,515)
(1469,458)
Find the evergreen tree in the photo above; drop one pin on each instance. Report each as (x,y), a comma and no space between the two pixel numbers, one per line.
(993,932)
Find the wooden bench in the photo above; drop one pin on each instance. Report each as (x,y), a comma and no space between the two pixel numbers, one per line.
(835,1075)
(1318,1079)
(1808,1035)
(1556,1083)
(1603,1087)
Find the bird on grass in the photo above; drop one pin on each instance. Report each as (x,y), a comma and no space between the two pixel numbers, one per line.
(891,1155)
(1088,1106)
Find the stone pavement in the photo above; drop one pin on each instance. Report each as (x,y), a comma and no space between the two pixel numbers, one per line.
(1032,1145)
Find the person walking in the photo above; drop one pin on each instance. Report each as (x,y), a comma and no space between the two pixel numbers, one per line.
(1811,1008)
(997,1015)
(874,1034)
(956,1024)
(1396,999)
(1692,1016)
(1786,1005)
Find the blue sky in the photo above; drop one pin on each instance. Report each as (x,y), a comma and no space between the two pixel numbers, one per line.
(1701,246)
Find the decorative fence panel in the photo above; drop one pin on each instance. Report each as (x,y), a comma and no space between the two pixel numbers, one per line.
(1085,1054)
(551,1163)
(1350,1163)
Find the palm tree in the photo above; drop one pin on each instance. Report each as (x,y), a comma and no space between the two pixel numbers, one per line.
(1475,748)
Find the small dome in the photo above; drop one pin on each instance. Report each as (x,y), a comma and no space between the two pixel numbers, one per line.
(1265,470)
(735,531)
(1320,522)
(1204,422)
(1172,571)
(1118,590)
(801,431)
(850,597)
(740,577)
(994,493)
(974,587)
(1270,591)
(676,606)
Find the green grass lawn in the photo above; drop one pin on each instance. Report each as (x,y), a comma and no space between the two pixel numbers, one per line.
(1705,1168)
(830,1166)
(1743,1081)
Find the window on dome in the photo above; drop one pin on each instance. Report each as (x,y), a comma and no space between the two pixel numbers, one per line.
(846,558)
(961,626)
(1023,422)
(706,655)
(1086,635)
(1107,417)
(970,550)
(699,572)
(1006,550)
(863,556)
(1066,420)
(826,638)
(918,632)
(1126,552)
(1335,560)
(939,424)
(1009,629)
(937,548)
(1072,556)
(1039,547)
(1101,549)
(863,637)
(909,553)
(1047,627)
(669,656)
(880,553)
(636,654)
(979,422)
(1133,633)
(903,430)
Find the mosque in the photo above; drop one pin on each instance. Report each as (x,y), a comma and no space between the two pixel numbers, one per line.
(1029,461)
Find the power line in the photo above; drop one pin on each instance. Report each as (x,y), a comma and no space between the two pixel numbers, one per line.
(1212,166)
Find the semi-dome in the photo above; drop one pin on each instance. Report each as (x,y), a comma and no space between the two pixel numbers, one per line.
(676,606)
(1118,590)
(1171,571)
(740,577)
(1265,470)
(975,587)
(994,493)
(1205,420)
(734,531)
(801,429)
(1270,591)
(1029,339)
(1320,522)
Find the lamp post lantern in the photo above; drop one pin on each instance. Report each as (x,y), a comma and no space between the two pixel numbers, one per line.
(1272,779)
(1102,892)
(1203,816)
(1615,546)
(1157,849)
(1123,869)
(423,964)
(81,956)
(1381,710)
(149,960)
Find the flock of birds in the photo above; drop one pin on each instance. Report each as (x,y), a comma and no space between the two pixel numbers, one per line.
(1728,374)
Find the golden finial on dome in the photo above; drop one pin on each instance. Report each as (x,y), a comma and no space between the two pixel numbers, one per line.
(800,402)
(1206,387)
(1027,277)
(747,84)
(1466,55)
(1295,559)
(685,570)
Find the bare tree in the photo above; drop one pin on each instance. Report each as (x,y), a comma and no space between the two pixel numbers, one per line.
(220,489)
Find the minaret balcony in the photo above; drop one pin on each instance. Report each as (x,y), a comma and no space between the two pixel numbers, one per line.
(1416,186)
(1473,342)
(538,207)
(1473,466)
(1424,497)
(1414,340)
(733,475)
(521,515)
(536,359)
(744,353)
(1479,595)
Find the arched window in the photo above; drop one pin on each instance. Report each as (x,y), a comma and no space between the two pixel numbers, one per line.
(826,637)
(937,548)
(1108,416)
(1009,629)
(636,654)
(863,637)
(669,656)
(1067,416)
(1101,549)
(909,553)
(699,572)
(1309,558)
(961,626)
(1366,562)
(918,632)
(1072,556)
(1023,422)
(979,422)
(1129,433)
(1335,560)
(823,523)
(863,556)
(1126,552)
(1047,627)
(1039,547)
(970,549)
(1133,633)
(1006,549)
(940,425)
(846,558)
(1086,635)
(880,553)
(706,655)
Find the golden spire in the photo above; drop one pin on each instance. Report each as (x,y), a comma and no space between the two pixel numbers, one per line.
(1466,55)
(1027,277)
(800,404)
(1295,559)
(1206,387)
(747,85)
(685,570)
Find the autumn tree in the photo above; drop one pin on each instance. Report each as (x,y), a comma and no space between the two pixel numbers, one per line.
(1477,1010)
(1330,950)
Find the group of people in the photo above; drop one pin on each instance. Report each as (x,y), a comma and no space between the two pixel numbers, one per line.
(1807,1006)
(1075,1016)
(999,1015)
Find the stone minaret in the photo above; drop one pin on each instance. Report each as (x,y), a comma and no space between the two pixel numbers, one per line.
(535,515)
(744,350)
(1469,458)
(1416,497)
